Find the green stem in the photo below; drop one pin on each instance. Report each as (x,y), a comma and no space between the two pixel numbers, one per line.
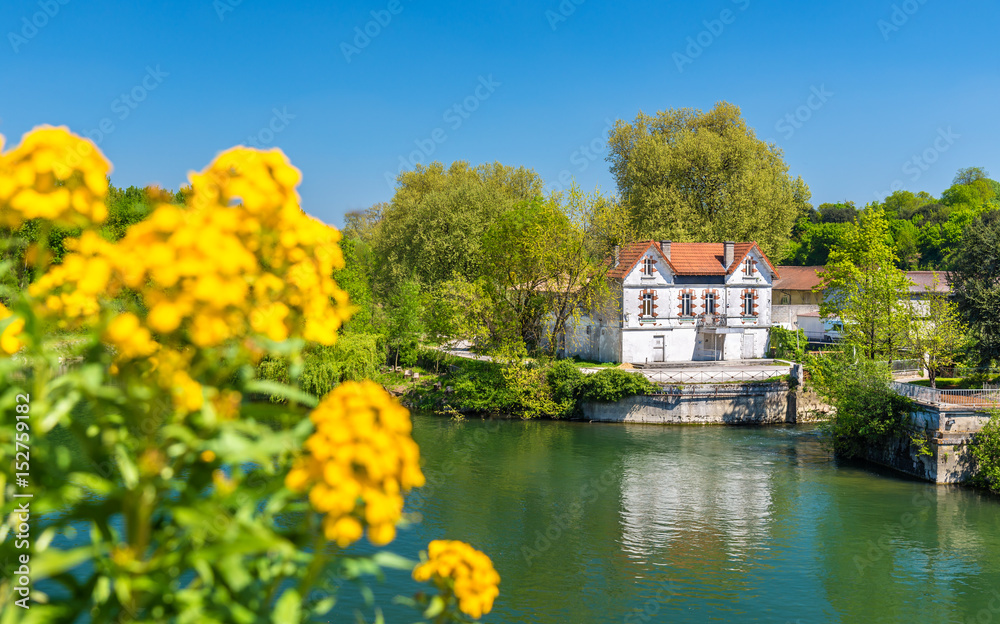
(316,566)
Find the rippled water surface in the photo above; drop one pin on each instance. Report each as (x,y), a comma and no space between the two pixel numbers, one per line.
(644,523)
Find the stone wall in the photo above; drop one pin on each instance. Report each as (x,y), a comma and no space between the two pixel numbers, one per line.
(723,404)
(948,432)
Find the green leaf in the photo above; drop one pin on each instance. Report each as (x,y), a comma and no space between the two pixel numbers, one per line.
(55,561)
(288,608)
(435,608)
(265,386)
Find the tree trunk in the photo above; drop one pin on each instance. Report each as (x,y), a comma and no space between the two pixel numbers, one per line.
(932,375)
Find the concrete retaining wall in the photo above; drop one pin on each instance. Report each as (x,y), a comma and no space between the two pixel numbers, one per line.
(948,433)
(722,404)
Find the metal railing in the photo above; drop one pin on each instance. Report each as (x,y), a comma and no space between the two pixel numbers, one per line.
(712,320)
(983,398)
(720,376)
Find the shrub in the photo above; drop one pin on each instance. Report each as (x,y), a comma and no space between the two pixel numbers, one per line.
(565,380)
(868,412)
(985,451)
(787,344)
(614,384)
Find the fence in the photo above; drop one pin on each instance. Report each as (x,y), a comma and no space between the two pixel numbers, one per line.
(720,376)
(905,367)
(985,398)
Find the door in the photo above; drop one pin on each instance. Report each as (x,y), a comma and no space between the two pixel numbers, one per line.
(748,344)
(658,348)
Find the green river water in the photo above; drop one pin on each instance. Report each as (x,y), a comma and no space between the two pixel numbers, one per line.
(644,523)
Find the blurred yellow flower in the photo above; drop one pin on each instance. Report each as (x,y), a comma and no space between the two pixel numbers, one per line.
(360,462)
(9,342)
(455,566)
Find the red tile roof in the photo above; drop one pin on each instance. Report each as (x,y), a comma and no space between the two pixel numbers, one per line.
(688,258)
(798,278)
(807,278)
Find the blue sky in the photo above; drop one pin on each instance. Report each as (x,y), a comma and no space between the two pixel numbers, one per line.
(881,95)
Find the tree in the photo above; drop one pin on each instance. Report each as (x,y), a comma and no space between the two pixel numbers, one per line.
(938,335)
(539,265)
(405,322)
(968,175)
(434,225)
(975,281)
(863,287)
(686,175)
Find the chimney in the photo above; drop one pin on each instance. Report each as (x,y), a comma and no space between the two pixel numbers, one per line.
(665,246)
(617,251)
(730,248)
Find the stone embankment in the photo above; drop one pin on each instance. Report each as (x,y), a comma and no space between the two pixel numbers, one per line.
(721,404)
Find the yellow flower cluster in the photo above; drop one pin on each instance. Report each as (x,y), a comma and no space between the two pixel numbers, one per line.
(242,256)
(360,462)
(54,175)
(456,566)
(9,342)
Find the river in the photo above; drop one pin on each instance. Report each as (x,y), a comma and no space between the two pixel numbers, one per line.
(593,523)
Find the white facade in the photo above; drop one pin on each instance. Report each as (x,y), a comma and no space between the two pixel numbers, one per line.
(679,331)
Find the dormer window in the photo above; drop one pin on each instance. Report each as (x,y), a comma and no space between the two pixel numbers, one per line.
(647,266)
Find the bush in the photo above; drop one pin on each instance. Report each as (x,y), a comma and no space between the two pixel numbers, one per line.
(353,357)
(868,412)
(985,451)
(565,381)
(787,344)
(614,384)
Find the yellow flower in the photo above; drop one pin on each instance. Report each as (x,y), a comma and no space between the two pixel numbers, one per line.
(360,462)
(455,567)
(9,342)
(207,456)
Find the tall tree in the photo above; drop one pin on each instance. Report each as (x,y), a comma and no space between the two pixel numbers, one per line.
(434,225)
(540,269)
(937,336)
(975,281)
(687,175)
(864,288)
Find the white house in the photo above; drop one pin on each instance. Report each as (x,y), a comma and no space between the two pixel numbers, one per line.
(677,302)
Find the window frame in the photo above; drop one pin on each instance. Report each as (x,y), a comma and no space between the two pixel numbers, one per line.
(647,304)
(748,266)
(647,266)
(687,304)
(711,303)
(749,301)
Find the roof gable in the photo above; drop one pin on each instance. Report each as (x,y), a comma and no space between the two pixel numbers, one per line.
(688,258)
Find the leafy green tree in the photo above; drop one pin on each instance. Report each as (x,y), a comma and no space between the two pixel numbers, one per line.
(937,336)
(975,282)
(541,269)
(863,287)
(434,225)
(845,212)
(686,175)
(815,242)
(405,323)
(970,175)
(985,451)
